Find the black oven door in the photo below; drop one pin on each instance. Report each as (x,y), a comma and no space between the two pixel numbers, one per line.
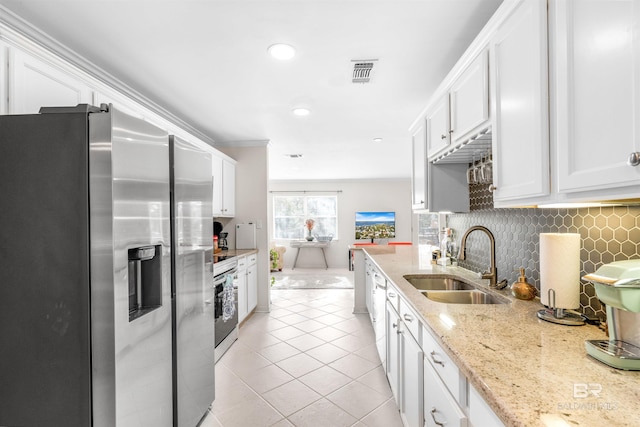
(224,327)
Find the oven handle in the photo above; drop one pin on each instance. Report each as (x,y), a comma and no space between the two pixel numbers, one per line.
(221,278)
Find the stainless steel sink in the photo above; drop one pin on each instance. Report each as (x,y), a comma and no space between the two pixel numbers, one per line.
(428,282)
(465,297)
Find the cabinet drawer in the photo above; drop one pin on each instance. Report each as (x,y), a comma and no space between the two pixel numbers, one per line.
(440,408)
(393,296)
(252,259)
(242,263)
(410,319)
(444,366)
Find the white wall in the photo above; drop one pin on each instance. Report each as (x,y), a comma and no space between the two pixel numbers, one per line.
(251,206)
(355,195)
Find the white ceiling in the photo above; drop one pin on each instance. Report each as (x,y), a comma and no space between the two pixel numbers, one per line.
(206,62)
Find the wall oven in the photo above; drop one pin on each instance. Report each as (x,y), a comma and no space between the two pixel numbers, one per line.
(225,274)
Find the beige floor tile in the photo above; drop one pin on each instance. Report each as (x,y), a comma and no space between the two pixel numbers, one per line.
(243,363)
(305,342)
(325,380)
(329,319)
(352,365)
(277,374)
(369,352)
(310,325)
(377,380)
(327,353)
(386,415)
(299,365)
(357,399)
(287,333)
(293,318)
(252,412)
(210,421)
(351,342)
(279,351)
(328,333)
(322,413)
(291,397)
(267,378)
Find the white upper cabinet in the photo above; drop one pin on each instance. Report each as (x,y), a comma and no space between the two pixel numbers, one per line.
(224,187)
(520,101)
(4,49)
(596,92)
(438,126)
(469,97)
(34,83)
(418,183)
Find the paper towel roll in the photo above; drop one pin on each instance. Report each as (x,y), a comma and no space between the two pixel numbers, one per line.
(560,269)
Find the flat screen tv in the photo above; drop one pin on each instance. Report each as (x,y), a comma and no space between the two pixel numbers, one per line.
(375,225)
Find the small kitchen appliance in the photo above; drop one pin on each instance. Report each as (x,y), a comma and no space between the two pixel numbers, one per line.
(222,241)
(618,286)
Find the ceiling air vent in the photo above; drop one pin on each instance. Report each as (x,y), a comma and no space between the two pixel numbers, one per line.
(362,70)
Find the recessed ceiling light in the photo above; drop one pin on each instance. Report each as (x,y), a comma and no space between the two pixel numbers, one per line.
(301,111)
(377,139)
(282,51)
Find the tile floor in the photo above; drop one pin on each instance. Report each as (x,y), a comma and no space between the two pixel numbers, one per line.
(310,362)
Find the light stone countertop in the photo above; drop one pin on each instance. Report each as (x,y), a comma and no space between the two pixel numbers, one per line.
(531,372)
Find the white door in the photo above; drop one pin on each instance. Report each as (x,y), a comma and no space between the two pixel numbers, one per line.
(469,97)
(520,104)
(228,188)
(438,136)
(597,93)
(411,382)
(393,349)
(252,287)
(216,170)
(418,143)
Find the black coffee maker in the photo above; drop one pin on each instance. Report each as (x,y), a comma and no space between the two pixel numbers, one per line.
(222,236)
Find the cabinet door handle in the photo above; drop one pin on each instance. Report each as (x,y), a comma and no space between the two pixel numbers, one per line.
(634,159)
(436,361)
(408,318)
(392,295)
(443,136)
(433,415)
(492,188)
(395,325)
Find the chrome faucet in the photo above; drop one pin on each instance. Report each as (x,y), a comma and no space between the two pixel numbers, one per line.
(492,274)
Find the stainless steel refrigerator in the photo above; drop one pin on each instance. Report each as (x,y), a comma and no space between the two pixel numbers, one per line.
(192,282)
(86,298)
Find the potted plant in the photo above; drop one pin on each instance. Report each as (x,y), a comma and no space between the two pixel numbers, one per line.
(273,257)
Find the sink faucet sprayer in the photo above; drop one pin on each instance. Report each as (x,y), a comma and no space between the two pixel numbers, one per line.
(492,274)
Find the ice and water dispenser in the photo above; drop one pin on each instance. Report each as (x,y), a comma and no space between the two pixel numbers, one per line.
(145,280)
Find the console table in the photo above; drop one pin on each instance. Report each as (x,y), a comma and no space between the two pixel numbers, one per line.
(301,244)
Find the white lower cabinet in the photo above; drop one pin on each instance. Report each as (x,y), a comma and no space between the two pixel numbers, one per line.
(404,368)
(480,413)
(252,282)
(410,379)
(427,385)
(440,408)
(393,350)
(242,288)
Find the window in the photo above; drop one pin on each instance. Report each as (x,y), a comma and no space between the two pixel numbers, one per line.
(290,213)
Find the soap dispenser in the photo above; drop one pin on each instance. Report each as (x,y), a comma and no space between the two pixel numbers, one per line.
(523,289)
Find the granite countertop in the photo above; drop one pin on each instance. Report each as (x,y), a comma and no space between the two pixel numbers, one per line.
(229,253)
(531,372)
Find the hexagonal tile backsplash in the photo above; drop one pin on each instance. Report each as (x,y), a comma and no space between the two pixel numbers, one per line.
(607,234)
